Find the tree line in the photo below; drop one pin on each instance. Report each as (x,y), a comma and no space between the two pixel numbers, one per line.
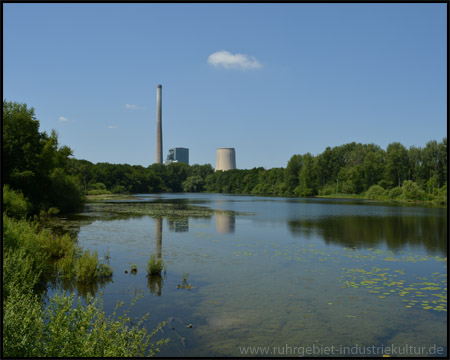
(48,175)
(365,170)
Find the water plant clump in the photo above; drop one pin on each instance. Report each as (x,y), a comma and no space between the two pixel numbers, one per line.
(155,266)
(185,284)
(133,269)
(88,268)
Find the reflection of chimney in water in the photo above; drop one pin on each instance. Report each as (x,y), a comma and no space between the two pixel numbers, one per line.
(158,227)
(224,223)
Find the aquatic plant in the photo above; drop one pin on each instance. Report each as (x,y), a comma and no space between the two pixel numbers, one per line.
(133,269)
(88,268)
(185,284)
(155,266)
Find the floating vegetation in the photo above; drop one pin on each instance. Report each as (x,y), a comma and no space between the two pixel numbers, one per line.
(394,282)
(155,209)
(185,284)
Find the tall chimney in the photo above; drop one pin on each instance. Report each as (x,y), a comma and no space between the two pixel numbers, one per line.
(159,146)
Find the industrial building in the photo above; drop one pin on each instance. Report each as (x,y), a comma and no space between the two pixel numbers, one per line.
(226,159)
(178,155)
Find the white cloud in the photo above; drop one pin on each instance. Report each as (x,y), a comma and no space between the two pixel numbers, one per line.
(131,106)
(63,119)
(112,127)
(233,61)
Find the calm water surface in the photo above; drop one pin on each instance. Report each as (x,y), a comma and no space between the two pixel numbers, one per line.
(278,272)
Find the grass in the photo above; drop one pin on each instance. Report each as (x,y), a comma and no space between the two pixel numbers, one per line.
(155,266)
(89,269)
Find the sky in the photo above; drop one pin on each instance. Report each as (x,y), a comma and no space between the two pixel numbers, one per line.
(270,80)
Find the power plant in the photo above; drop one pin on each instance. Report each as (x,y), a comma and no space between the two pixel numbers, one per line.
(159,144)
(178,155)
(226,159)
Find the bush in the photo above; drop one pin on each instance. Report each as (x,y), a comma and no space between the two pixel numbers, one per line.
(412,191)
(395,193)
(155,266)
(119,189)
(88,269)
(97,189)
(65,330)
(14,203)
(375,192)
(18,272)
(441,198)
(329,190)
(23,324)
(66,193)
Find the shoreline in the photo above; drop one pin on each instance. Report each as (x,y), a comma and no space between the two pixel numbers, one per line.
(428,203)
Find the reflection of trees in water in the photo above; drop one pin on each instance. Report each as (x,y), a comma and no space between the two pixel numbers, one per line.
(369,231)
(81,288)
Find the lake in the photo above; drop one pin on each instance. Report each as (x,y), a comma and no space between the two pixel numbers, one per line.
(282,274)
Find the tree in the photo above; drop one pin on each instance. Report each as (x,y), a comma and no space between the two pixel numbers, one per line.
(193,184)
(396,164)
(292,172)
(31,160)
(306,177)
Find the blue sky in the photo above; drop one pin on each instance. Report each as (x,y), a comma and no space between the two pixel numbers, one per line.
(270,80)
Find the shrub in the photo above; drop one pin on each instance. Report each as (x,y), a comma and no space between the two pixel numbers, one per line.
(155,266)
(14,203)
(375,192)
(411,191)
(442,195)
(65,330)
(329,190)
(18,272)
(88,269)
(395,193)
(97,189)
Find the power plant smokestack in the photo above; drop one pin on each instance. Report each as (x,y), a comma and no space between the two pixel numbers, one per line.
(159,145)
(226,159)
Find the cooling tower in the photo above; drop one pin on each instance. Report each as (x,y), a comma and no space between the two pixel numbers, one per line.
(226,159)
(159,144)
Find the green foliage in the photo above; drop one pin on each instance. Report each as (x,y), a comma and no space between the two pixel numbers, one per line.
(411,191)
(375,192)
(66,330)
(14,203)
(61,329)
(441,198)
(18,272)
(328,190)
(155,266)
(23,324)
(395,193)
(97,189)
(193,184)
(34,163)
(88,268)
